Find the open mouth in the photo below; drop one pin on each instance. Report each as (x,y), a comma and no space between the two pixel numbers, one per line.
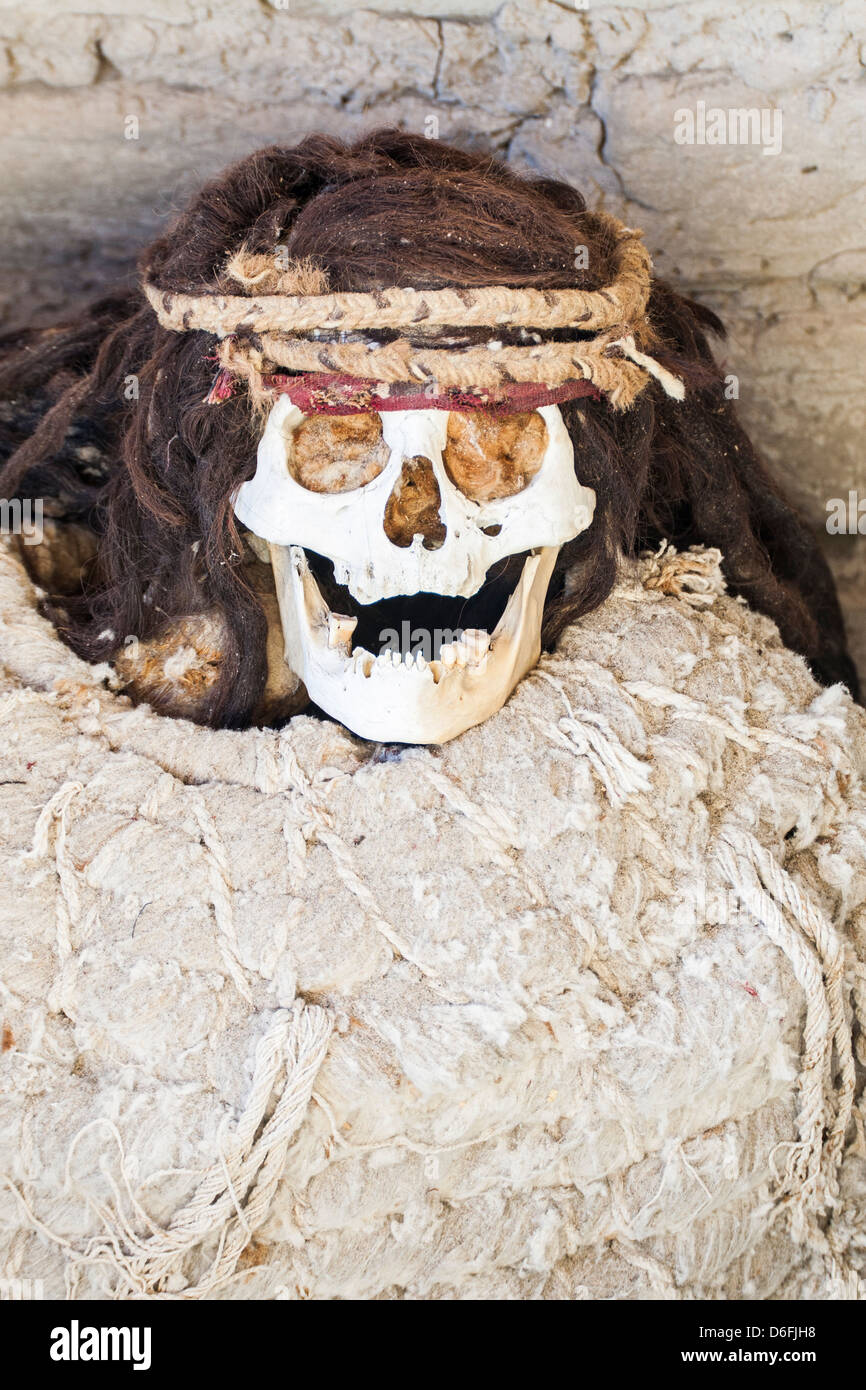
(421,674)
(424,622)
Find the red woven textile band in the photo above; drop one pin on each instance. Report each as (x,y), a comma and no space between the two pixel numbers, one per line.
(323,393)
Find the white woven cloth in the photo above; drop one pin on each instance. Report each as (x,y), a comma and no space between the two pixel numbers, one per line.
(563,1009)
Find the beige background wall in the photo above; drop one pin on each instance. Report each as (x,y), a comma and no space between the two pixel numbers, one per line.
(584,91)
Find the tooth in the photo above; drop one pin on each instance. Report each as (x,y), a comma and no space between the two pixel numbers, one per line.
(448,655)
(340,629)
(363,661)
(476,642)
(421,661)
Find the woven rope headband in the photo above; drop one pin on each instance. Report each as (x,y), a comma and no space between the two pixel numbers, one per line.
(262,331)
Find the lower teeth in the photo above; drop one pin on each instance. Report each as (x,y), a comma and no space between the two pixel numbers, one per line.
(452,654)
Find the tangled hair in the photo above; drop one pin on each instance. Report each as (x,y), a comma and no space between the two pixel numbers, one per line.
(154,476)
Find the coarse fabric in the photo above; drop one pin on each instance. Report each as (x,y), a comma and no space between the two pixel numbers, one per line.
(566,1008)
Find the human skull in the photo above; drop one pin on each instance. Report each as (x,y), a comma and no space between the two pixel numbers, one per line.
(410,503)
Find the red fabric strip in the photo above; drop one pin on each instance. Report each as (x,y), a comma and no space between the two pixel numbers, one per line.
(325,393)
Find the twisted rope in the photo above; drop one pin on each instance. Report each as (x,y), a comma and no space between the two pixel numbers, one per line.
(53,822)
(817,953)
(235,1193)
(612,361)
(549,364)
(624,300)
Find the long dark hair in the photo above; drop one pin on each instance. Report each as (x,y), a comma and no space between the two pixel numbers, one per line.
(106,415)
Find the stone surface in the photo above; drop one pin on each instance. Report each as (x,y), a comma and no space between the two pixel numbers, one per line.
(580,90)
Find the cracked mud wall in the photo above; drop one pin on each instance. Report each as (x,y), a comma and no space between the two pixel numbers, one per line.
(580,90)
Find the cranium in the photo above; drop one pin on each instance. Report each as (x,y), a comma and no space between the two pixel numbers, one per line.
(426,517)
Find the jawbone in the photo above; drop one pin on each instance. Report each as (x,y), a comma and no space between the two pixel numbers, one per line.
(405,699)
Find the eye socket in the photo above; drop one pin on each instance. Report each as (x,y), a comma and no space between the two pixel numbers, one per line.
(337,453)
(488,456)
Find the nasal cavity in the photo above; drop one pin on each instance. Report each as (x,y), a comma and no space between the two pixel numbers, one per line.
(413,507)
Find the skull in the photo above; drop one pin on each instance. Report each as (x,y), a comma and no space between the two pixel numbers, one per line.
(424,514)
